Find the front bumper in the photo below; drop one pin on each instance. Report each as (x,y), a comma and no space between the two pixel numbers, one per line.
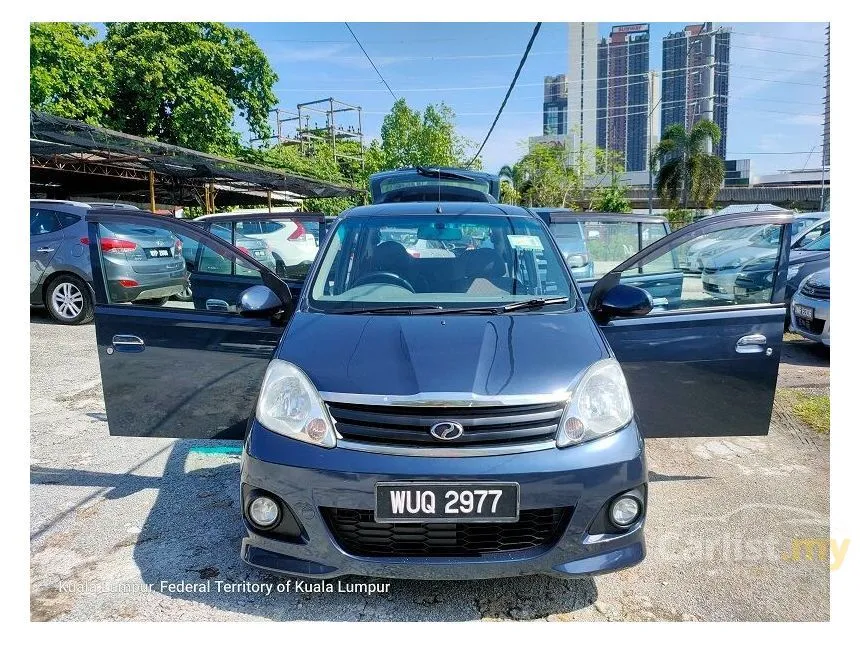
(819,329)
(308,478)
(720,284)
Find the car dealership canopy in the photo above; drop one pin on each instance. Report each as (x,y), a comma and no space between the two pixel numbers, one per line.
(70,159)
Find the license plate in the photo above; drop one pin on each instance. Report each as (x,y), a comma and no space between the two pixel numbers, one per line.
(158,253)
(445,502)
(259,253)
(804,312)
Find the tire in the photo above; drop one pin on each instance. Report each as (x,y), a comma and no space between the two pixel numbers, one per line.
(152,302)
(69,300)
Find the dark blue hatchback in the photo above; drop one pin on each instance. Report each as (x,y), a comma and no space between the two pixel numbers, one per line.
(461,412)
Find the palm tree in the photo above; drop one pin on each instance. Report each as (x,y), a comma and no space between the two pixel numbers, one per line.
(687,172)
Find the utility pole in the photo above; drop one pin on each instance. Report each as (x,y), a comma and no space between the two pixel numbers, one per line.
(709,84)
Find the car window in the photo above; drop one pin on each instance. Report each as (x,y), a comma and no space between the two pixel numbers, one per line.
(163,264)
(733,274)
(813,234)
(610,243)
(43,222)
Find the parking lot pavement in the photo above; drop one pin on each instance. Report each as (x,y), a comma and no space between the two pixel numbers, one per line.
(732,524)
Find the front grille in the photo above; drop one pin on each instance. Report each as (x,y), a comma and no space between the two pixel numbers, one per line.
(410,426)
(712,288)
(357,534)
(817,291)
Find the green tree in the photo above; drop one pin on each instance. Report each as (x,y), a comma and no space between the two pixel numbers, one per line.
(409,138)
(544,176)
(508,194)
(687,172)
(182,83)
(69,73)
(609,197)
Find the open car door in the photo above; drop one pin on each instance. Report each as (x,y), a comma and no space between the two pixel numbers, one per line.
(704,360)
(173,368)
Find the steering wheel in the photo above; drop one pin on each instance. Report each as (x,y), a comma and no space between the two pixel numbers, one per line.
(385,277)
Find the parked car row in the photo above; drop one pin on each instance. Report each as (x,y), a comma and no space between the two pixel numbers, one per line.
(141,263)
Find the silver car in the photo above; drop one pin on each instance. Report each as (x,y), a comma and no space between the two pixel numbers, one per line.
(141,264)
(810,308)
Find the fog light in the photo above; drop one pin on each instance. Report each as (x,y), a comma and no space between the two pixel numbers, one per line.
(624,511)
(264,512)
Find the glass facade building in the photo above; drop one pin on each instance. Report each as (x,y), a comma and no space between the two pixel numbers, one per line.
(622,94)
(555,105)
(686,87)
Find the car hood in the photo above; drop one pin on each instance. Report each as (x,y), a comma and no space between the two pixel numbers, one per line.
(744,254)
(400,355)
(801,255)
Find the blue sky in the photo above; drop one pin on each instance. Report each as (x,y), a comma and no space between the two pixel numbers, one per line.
(775,81)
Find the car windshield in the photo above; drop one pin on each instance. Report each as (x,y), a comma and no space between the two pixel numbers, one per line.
(821,244)
(439,261)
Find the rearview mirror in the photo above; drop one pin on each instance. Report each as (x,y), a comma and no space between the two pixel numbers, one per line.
(624,300)
(259,302)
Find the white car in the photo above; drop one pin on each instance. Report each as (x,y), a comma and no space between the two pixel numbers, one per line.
(290,242)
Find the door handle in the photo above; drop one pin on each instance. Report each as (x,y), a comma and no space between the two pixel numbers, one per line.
(216,304)
(45,249)
(751,344)
(126,343)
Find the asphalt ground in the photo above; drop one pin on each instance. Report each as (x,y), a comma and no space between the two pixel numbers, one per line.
(733,529)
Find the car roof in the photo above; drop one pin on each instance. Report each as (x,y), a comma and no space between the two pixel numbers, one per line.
(561,215)
(384,174)
(257,214)
(438,208)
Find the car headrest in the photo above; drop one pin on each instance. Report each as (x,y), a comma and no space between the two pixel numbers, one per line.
(390,256)
(483,263)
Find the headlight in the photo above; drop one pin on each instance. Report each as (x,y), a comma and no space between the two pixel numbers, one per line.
(793,270)
(290,405)
(599,404)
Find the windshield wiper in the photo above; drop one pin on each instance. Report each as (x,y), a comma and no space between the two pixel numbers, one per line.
(444,174)
(393,310)
(535,303)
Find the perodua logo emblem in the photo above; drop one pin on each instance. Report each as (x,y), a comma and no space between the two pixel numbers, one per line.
(447,431)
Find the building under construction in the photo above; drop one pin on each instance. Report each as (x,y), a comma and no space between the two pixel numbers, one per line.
(324,122)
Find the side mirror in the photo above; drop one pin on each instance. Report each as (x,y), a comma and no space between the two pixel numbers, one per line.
(259,302)
(624,300)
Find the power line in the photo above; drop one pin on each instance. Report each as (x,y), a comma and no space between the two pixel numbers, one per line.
(642,75)
(510,89)
(370,61)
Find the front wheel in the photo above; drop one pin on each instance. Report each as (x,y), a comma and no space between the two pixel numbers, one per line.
(69,301)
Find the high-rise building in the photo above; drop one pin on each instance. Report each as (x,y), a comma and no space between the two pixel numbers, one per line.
(555,105)
(622,94)
(825,152)
(688,93)
(582,87)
